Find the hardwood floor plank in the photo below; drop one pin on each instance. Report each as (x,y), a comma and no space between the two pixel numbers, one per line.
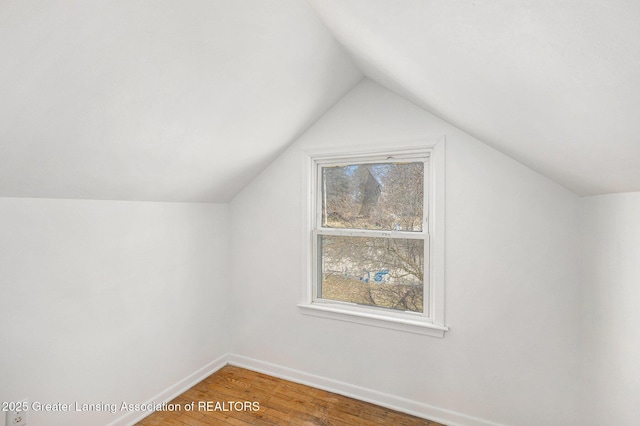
(227,398)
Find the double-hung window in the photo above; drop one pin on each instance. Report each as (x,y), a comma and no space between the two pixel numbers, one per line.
(375,238)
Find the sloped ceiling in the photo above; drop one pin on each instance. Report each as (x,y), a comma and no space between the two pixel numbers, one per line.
(553,84)
(162,100)
(171,100)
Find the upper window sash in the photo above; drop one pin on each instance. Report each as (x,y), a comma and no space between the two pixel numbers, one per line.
(413,156)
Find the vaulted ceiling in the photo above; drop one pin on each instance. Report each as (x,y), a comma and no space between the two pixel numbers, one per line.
(187,101)
(555,84)
(160,100)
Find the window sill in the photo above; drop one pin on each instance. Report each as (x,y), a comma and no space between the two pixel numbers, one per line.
(372,319)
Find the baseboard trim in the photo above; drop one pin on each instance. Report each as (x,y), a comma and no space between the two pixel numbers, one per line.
(414,408)
(174,390)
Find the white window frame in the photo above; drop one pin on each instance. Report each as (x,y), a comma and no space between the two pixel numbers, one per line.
(432,321)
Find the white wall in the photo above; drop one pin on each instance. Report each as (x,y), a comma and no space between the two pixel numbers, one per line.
(611,309)
(108,301)
(512,279)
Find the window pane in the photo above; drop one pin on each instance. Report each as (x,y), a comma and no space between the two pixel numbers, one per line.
(386,196)
(382,272)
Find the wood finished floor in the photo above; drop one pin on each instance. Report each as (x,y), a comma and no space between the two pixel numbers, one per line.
(280,403)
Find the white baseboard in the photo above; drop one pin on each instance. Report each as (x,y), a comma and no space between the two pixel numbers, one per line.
(414,408)
(172,391)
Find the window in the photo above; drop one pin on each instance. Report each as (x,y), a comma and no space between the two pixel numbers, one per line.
(375,238)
